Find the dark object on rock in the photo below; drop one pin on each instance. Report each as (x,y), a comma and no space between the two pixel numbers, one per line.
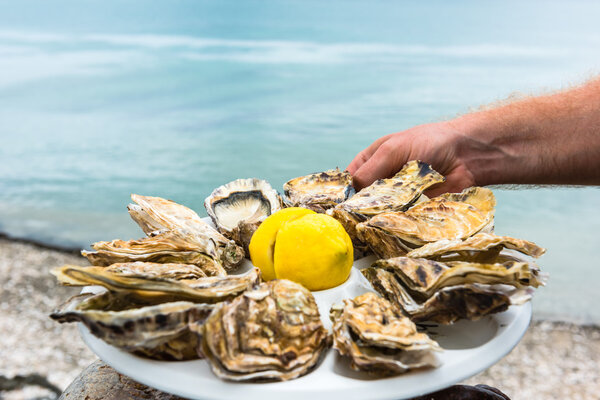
(464,392)
(100,382)
(20,381)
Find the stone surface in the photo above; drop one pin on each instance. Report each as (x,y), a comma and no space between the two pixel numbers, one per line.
(31,342)
(100,382)
(554,359)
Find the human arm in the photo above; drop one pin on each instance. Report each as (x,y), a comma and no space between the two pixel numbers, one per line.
(553,139)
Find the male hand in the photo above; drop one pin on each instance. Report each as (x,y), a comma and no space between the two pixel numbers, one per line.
(433,143)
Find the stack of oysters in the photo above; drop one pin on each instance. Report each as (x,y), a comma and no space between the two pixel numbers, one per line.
(178,293)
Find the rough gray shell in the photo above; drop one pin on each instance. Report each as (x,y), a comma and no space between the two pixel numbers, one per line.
(158,331)
(439,292)
(385,195)
(378,339)
(450,216)
(319,191)
(272,332)
(159,281)
(176,234)
(481,247)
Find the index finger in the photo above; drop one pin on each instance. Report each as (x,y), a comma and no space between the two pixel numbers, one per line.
(365,154)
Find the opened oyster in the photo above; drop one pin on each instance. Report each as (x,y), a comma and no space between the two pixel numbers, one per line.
(168,282)
(272,332)
(450,216)
(239,207)
(378,339)
(444,292)
(158,331)
(319,191)
(175,234)
(482,247)
(395,194)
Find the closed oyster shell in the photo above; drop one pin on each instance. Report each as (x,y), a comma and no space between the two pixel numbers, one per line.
(482,247)
(168,282)
(423,277)
(172,246)
(238,208)
(394,194)
(158,331)
(385,195)
(272,332)
(319,191)
(377,338)
(452,303)
(175,234)
(444,292)
(450,216)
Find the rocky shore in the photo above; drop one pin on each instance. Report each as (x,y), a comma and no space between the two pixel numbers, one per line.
(554,360)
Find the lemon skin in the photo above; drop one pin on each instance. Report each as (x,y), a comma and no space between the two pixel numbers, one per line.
(262,244)
(313,250)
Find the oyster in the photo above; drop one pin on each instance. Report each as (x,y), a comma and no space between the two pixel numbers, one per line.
(395,194)
(239,207)
(173,246)
(444,292)
(450,216)
(272,332)
(424,277)
(319,191)
(175,234)
(482,247)
(158,331)
(167,281)
(379,339)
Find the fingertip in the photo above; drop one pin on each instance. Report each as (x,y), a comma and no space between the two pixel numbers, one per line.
(362,178)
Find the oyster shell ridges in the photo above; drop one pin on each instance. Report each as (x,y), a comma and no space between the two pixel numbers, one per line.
(319,191)
(175,234)
(473,247)
(272,332)
(385,195)
(173,282)
(427,290)
(379,339)
(446,217)
(158,331)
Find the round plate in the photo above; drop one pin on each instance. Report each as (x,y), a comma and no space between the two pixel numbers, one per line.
(469,348)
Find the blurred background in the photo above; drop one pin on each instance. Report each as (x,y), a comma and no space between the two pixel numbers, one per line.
(173,99)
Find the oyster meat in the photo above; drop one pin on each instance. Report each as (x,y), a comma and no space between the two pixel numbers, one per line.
(377,338)
(395,194)
(450,216)
(175,234)
(158,331)
(168,282)
(272,332)
(239,207)
(427,290)
(482,247)
(319,191)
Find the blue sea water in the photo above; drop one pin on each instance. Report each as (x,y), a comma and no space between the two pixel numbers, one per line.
(100,100)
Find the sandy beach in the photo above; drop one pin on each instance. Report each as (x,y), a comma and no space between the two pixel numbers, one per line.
(554,360)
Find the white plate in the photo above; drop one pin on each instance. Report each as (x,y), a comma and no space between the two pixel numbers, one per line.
(470,347)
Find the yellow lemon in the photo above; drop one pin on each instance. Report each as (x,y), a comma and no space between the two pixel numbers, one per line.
(313,250)
(262,244)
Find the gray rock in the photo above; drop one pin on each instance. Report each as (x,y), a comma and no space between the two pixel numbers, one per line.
(100,382)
